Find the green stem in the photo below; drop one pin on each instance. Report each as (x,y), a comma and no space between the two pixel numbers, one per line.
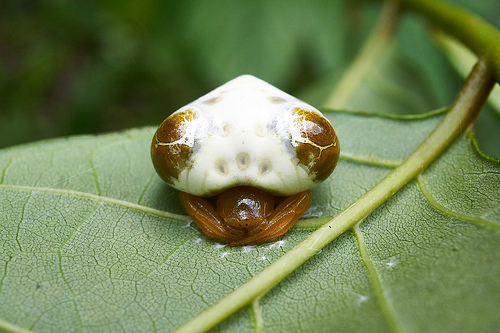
(461,115)
(369,55)
(5,326)
(475,33)
(462,60)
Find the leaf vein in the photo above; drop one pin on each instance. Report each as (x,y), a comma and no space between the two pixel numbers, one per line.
(258,322)
(146,188)
(4,170)
(370,160)
(3,277)
(23,209)
(375,282)
(445,210)
(100,198)
(94,174)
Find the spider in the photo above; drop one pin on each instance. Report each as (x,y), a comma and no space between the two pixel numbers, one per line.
(245,157)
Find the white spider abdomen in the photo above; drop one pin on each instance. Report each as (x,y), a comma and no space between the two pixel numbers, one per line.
(245,133)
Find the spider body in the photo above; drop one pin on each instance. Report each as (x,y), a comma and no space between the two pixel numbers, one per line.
(245,157)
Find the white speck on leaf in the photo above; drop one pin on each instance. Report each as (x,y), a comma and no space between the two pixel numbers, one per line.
(277,245)
(246,249)
(391,263)
(362,299)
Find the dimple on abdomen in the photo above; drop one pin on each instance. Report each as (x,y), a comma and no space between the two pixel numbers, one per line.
(244,166)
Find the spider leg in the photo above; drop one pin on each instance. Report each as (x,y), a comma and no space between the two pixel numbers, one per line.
(206,218)
(280,221)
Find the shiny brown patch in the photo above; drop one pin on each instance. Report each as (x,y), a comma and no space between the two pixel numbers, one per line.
(320,150)
(169,152)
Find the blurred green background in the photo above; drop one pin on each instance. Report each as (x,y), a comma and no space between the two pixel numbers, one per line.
(73,67)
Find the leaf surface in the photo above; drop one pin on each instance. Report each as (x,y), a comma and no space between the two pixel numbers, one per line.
(86,245)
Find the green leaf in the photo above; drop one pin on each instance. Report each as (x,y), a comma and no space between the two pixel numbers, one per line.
(87,241)
(267,39)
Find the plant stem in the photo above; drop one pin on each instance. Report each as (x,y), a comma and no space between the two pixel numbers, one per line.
(461,115)
(475,33)
(369,55)
(462,60)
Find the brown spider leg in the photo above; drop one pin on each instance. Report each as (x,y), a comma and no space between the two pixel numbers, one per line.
(207,219)
(280,221)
